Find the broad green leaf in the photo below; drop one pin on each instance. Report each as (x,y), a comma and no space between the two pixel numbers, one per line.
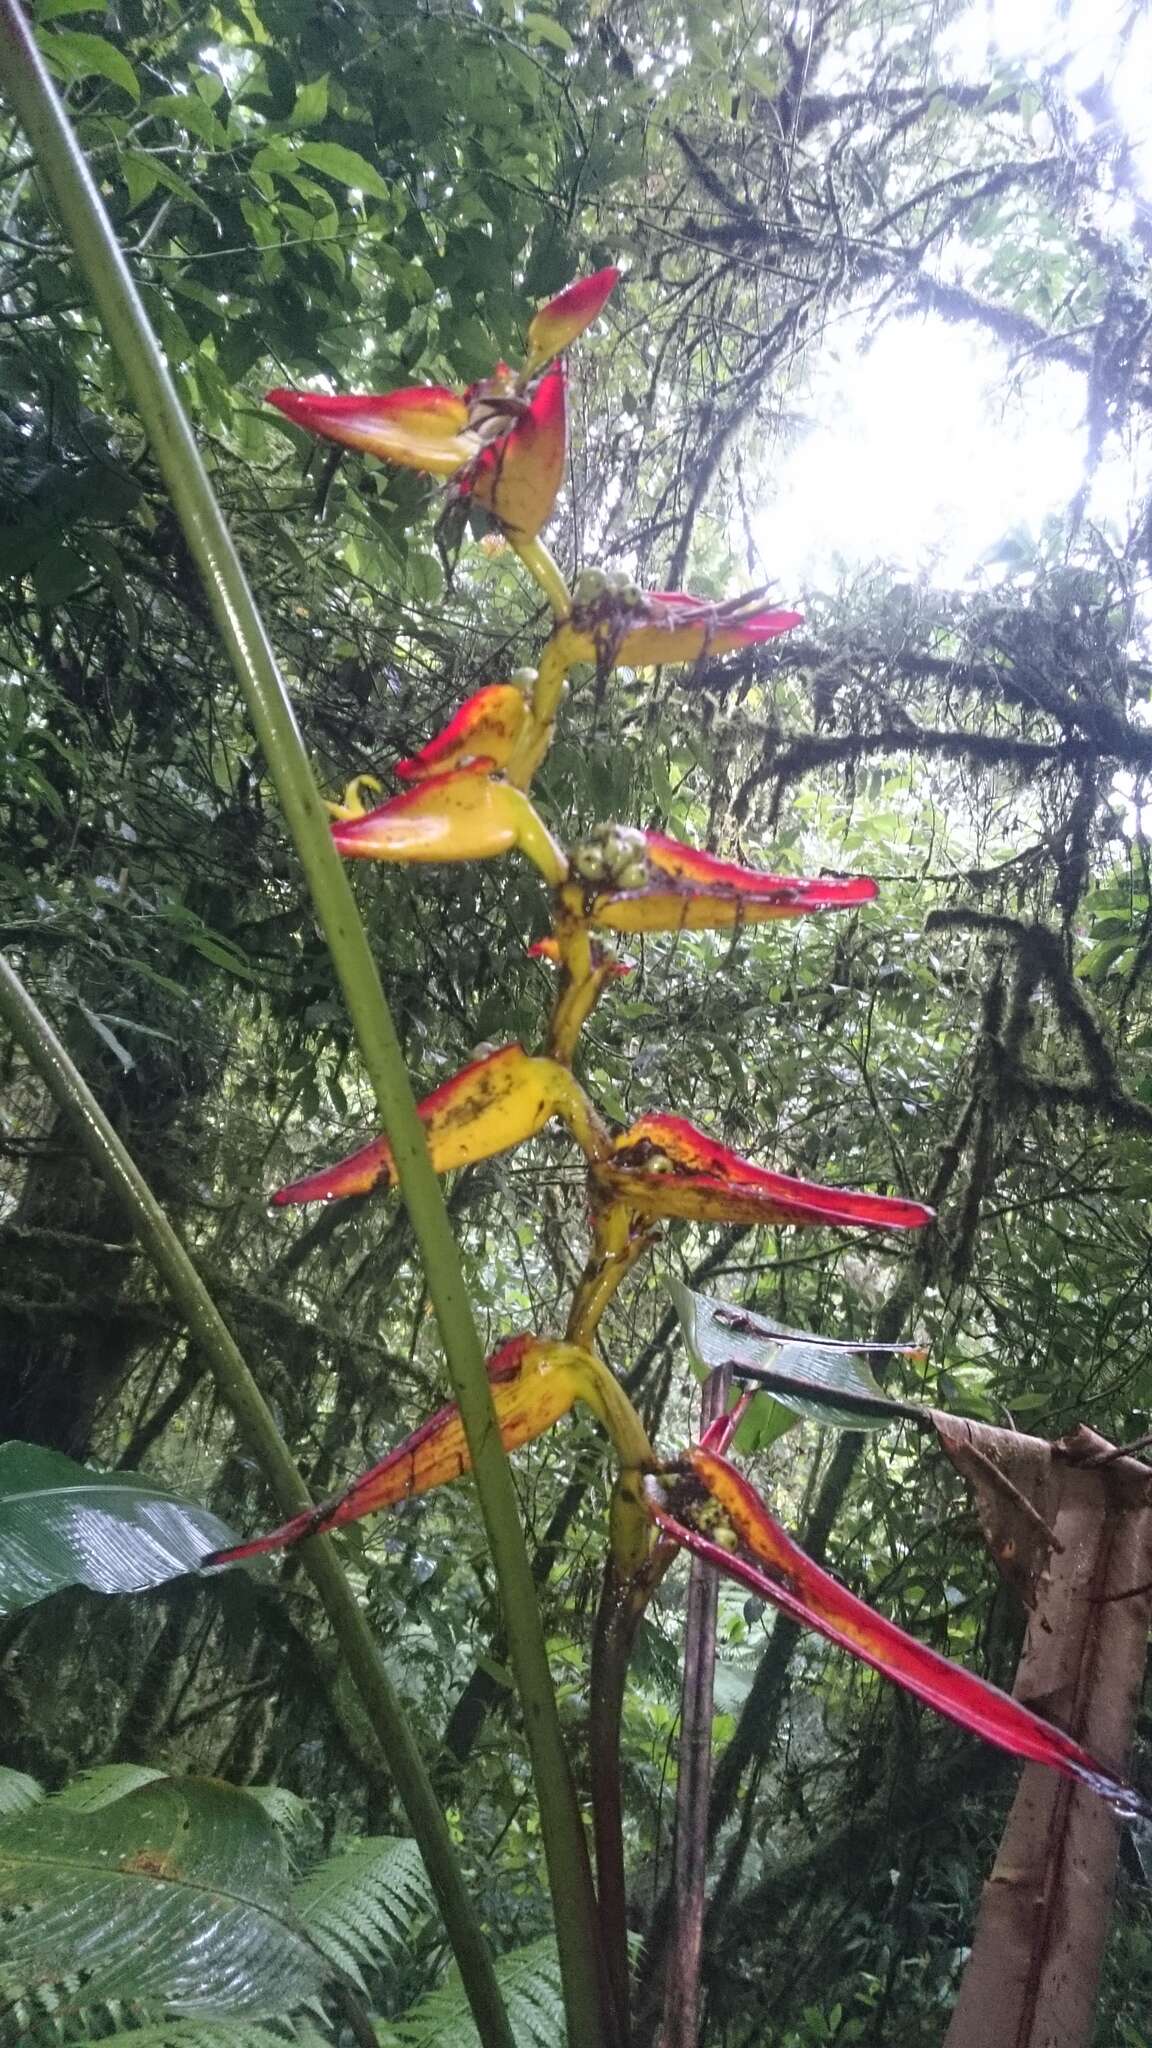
(59,574)
(191,112)
(115,1532)
(177,1895)
(347,166)
(311,103)
(806,1376)
(425,578)
(51,10)
(74,53)
(542,29)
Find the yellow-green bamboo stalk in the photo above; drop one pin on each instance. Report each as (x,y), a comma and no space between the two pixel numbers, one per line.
(61,165)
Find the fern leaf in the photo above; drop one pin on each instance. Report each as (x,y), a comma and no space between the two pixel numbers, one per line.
(17,1792)
(530,1981)
(176,1895)
(360,1905)
(89,1790)
(291,1814)
(205,2034)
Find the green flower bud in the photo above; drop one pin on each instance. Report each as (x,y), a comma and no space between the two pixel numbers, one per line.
(590,586)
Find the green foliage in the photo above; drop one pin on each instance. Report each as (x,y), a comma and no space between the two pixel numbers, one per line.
(530,1981)
(362,1903)
(18,1792)
(720,1333)
(64,1525)
(128,1892)
(174,1895)
(202,2034)
(143,881)
(108,1782)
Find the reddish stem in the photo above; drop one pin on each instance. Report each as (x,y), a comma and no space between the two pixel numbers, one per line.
(681,2019)
(622,1603)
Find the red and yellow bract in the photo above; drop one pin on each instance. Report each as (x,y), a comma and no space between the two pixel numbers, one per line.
(516,476)
(502,440)
(465,814)
(780,1571)
(656,884)
(489,1107)
(534,1381)
(556,325)
(664,1167)
(644,628)
(481,734)
(423,428)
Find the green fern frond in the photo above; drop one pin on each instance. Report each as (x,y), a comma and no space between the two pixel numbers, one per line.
(361,1905)
(17,1792)
(174,1896)
(292,1815)
(530,1981)
(207,2034)
(89,1790)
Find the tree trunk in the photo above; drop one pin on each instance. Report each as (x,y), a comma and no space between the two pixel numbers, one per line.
(1032,1978)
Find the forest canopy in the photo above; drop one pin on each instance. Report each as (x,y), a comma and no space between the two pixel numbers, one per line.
(814,211)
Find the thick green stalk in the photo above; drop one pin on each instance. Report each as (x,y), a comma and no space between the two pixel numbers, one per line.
(98,256)
(68,1088)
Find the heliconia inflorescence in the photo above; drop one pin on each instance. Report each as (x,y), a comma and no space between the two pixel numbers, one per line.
(501,444)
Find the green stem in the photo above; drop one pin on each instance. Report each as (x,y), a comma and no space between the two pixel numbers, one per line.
(69,1090)
(98,256)
(542,565)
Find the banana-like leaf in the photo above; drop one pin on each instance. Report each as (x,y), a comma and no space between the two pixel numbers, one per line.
(176,1895)
(115,1532)
(821,1379)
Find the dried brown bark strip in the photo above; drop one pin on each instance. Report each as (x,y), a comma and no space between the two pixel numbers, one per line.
(1032,1977)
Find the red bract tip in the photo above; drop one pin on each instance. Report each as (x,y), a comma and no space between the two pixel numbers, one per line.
(423,428)
(489,1107)
(557,324)
(435,1453)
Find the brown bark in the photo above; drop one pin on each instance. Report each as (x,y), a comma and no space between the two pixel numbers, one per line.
(1032,1977)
